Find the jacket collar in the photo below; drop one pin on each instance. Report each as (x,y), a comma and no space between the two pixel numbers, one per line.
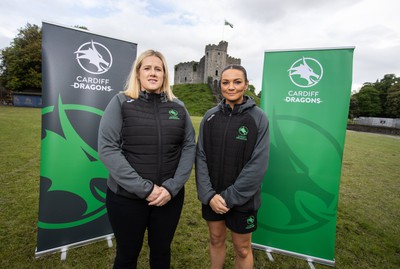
(248,102)
(149,96)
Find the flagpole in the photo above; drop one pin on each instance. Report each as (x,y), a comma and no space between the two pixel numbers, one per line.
(223,30)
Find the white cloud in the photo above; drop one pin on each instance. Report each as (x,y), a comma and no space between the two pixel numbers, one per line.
(181,29)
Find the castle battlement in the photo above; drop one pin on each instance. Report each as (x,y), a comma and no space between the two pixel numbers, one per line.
(233,59)
(185,63)
(222,46)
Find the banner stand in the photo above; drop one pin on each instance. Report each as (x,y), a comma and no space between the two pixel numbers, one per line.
(306,96)
(268,251)
(64,249)
(64,254)
(311,265)
(309,259)
(81,72)
(109,241)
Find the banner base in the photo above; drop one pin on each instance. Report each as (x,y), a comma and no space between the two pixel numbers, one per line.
(309,259)
(64,253)
(64,249)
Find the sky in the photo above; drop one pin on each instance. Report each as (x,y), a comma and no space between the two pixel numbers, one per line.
(181,29)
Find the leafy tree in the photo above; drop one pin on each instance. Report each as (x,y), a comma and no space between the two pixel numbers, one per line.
(20,67)
(378,99)
(354,110)
(383,87)
(393,101)
(21,62)
(81,27)
(368,102)
(251,88)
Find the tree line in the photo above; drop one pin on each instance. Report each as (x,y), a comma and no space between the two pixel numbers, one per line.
(379,99)
(20,71)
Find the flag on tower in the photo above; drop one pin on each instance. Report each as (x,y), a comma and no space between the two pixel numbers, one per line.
(228,23)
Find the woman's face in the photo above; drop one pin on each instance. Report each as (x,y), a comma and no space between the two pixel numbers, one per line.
(151,74)
(233,86)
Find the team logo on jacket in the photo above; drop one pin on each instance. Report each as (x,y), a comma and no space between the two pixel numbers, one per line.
(173,114)
(242,133)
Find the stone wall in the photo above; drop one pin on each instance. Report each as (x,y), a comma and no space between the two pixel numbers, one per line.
(373,129)
(189,73)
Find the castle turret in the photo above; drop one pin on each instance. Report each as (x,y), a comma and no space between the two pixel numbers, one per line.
(215,60)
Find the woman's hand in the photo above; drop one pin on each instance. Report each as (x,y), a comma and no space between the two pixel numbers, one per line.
(154,194)
(163,197)
(218,204)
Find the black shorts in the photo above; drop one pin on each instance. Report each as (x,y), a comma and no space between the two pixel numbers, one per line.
(236,221)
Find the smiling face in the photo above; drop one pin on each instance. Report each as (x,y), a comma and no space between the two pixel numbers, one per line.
(151,74)
(233,86)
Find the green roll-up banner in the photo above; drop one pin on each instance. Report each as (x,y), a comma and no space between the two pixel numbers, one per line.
(306,95)
(81,72)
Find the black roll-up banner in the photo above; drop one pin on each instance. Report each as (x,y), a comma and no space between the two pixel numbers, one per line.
(81,72)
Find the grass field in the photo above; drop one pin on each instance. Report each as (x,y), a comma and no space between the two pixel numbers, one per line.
(368,226)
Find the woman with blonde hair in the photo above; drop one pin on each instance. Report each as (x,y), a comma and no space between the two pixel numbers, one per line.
(147,143)
(133,85)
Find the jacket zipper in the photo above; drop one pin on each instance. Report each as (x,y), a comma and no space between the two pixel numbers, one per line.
(159,169)
(221,164)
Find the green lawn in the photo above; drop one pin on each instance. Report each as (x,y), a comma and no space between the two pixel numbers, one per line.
(368,229)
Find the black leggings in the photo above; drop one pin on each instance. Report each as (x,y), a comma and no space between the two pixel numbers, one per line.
(129,220)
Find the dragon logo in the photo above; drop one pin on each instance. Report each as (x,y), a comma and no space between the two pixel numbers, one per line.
(94,57)
(173,114)
(243,131)
(250,220)
(303,203)
(306,72)
(73,177)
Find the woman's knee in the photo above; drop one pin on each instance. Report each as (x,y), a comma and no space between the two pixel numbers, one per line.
(242,244)
(243,251)
(217,239)
(217,232)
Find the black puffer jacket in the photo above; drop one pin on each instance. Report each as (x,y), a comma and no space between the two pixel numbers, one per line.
(146,141)
(232,154)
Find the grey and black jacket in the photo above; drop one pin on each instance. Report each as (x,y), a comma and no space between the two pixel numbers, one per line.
(146,141)
(232,155)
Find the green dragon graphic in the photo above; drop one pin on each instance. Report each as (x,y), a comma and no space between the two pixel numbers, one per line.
(71,165)
(302,203)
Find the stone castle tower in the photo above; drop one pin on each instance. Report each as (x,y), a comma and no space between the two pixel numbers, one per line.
(208,69)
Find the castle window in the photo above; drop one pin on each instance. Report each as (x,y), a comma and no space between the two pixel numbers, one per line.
(216,72)
(219,53)
(185,79)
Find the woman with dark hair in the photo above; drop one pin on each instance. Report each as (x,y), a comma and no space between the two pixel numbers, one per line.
(147,143)
(231,160)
